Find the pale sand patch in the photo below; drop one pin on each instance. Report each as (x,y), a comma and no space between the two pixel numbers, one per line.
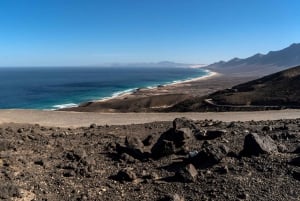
(78,119)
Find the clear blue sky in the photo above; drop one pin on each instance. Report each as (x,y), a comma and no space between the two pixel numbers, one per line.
(91,32)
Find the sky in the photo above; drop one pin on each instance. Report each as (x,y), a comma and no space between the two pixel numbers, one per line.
(95,32)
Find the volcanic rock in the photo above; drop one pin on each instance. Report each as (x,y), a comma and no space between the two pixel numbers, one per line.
(171,142)
(187,174)
(295,161)
(256,145)
(8,191)
(210,155)
(149,140)
(184,122)
(126,174)
(210,134)
(174,197)
(134,147)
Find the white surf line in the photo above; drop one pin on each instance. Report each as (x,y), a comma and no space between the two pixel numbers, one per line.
(78,119)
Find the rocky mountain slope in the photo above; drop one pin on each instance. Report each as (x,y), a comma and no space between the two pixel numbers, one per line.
(275,91)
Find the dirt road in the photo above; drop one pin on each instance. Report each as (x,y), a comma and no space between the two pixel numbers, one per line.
(78,119)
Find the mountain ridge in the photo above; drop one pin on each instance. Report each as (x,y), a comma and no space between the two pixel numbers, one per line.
(261,64)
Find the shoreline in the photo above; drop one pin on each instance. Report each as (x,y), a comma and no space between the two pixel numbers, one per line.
(210,74)
(132,91)
(162,96)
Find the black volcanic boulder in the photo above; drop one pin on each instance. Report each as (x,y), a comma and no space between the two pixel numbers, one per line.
(171,142)
(256,145)
(209,155)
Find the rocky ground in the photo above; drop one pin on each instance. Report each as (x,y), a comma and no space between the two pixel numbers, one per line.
(179,160)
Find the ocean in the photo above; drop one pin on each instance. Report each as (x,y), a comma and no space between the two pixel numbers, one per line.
(54,88)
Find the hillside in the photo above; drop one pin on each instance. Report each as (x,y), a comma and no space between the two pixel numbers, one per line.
(275,91)
(260,64)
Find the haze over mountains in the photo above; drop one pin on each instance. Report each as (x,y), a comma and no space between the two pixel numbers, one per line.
(260,64)
(160,64)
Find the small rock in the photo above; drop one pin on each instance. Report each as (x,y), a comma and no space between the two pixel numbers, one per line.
(8,191)
(223,169)
(149,140)
(69,173)
(210,134)
(93,126)
(184,122)
(126,175)
(295,161)
(174,197)
(187,174)
(282,148)
(267,128)
(297,150)
(76,155)
(134,147)
(243,196)
(127,158)
(39,162)
(296,174)
(256,145)
(134,143)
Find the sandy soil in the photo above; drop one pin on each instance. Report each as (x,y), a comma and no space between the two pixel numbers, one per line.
(78,119)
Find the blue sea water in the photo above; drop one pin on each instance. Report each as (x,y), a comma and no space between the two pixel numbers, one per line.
(54,88)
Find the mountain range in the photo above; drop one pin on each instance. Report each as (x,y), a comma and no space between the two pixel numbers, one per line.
(260,64)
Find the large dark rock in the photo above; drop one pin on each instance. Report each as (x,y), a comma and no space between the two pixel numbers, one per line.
(256,145)
(171,142)
(210,155)
(163,148)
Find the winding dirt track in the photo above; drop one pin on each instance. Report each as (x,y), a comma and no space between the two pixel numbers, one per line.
(78,119)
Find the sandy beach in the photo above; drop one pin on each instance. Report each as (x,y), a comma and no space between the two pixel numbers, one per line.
(79,119)
(151,99)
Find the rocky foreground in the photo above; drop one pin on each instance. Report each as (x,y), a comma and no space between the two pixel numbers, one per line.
(179,160)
